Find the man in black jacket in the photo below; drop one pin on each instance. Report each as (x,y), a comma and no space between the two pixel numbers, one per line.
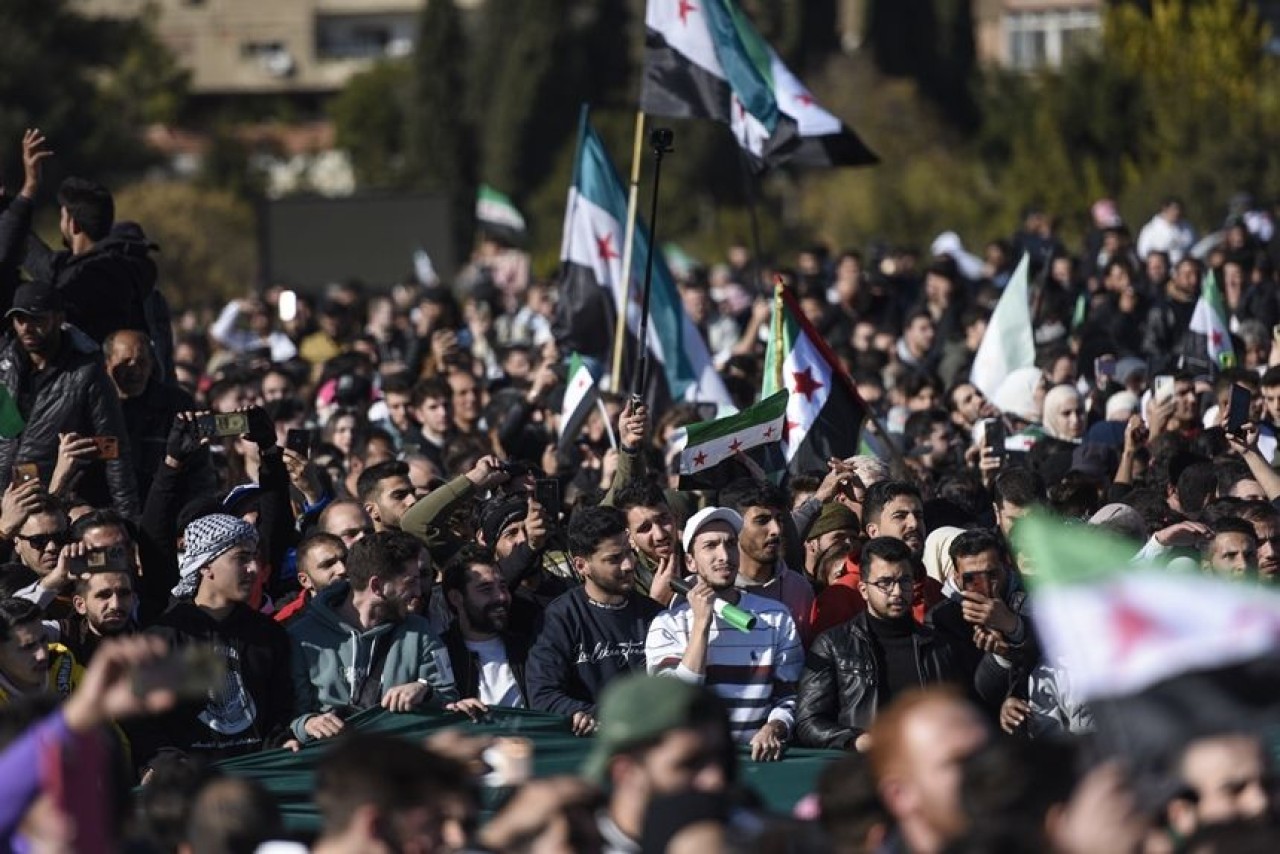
(981,618)
(854,670)
(487,657)
(57,380)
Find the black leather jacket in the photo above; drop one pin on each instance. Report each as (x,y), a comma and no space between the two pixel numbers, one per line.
(840,687)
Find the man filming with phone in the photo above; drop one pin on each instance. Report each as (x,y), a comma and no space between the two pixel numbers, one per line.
(982,615)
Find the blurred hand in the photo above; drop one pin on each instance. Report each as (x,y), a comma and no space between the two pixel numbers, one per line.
(633,425)
(1013,712)
(468,749)
(660,587)
(608,467)
(261,431)
(487,473)
(770,742)
(19,502)
(302,475)
(582,723)
(326,725)
(1135,434)
(444,346)
(989,611)
(989,640)
(1102,816)
(1182,535)
(539,816)
(60,578)
(701,600)
(33,153)
(184,439)
(106,691)
(74,451)
(537,527)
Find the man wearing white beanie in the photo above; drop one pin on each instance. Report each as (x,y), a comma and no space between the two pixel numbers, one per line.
(254,705)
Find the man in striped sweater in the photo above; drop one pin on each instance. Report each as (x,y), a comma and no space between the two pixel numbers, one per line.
(754,672)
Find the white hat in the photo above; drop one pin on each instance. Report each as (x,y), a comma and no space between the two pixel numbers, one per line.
(705,517)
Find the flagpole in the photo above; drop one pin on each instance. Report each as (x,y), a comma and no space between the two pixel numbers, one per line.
(628,242)
(775,334)
(749,187)
(608,428)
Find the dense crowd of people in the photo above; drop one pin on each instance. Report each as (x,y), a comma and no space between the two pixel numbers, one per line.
(232,529)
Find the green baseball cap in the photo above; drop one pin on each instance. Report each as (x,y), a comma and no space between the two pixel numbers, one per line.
(637,708)
(834,516)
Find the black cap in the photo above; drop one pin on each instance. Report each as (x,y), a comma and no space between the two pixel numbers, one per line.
(35,298)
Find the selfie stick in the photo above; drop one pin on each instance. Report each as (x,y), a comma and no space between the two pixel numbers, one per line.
(743,621)
(660,140)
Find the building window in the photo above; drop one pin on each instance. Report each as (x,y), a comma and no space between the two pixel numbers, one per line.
(364,36)
(1047,38)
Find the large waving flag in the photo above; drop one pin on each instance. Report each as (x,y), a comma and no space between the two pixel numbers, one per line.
(1008,343)
(1208,333)
(824,411)
(592,281)
(1160,655)
(705,60)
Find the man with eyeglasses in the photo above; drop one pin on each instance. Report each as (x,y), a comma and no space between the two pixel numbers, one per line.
(853,671)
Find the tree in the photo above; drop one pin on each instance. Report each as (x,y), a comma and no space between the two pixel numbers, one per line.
(90,84)
(207,238)
(370,116)
(440,143)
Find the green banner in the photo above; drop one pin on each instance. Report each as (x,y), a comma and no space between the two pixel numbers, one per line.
(556,751)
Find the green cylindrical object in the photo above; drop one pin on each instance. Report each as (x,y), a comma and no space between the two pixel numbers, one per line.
(743,621)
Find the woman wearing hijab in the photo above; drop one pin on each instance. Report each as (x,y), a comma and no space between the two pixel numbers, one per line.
(1063,429)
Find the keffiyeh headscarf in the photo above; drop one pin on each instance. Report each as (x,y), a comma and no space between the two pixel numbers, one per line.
(207,538)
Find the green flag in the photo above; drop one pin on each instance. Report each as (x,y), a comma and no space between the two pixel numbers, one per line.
(11,421)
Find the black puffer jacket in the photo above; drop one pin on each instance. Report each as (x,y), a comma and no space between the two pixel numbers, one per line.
(840,687)
(76,396)
(104,289)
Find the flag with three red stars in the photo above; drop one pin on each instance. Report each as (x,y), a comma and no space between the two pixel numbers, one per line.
(591,289)
(1159,655)
(707,444)
(825,412)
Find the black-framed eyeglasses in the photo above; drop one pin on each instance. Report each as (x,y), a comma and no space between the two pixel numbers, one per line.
(40,542)
(886,585)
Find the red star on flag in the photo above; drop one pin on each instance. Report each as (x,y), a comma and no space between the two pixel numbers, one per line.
(685,8)
(768,433)
(742,108)
(790,425)
(581,383)
(1215,338)
(805,383)
(735,446)
(804,99)
(604,247)
(699,458)
(1132,627)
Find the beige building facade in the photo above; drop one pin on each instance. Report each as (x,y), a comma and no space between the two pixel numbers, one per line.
(276,46)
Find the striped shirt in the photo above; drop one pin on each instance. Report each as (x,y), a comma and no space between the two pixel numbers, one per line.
(754,672)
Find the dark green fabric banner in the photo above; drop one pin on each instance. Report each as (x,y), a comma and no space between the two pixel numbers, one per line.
(556,751)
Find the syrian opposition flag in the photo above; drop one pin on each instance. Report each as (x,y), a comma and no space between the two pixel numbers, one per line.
(498,216)
(1008,343)
(705,60)
(709,443)
(592,281)
(824,411)
(1208,333)
(579,398)
(1158,654)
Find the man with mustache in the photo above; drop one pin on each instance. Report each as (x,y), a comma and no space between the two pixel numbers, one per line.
(651,526)
(754,672)
(891,508)
(488,658)
(763,570)
(854,671)
(358,645)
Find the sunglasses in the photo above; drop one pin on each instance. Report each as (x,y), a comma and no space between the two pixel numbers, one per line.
(40,542)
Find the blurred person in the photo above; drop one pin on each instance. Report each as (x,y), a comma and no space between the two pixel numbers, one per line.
(432,402)
(1168,231)
(1223,778)
(466,400)
(382,794)
(29,664)
(917,748)
(657,736)
(231,815)
(246,325)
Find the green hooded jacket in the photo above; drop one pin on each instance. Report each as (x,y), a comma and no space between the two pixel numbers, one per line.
(331,658)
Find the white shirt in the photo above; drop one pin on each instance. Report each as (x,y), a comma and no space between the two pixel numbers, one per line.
(498,685)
